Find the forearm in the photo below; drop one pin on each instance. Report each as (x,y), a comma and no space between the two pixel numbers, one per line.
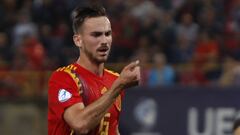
(92,114)
(82,120)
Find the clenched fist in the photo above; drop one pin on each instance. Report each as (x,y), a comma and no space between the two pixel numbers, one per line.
(130,75)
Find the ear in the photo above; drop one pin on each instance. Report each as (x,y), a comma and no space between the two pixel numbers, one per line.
(77,40)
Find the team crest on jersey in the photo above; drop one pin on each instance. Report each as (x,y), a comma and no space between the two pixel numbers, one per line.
(64,95)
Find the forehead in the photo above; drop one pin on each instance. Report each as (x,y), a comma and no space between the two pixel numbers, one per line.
(99,24)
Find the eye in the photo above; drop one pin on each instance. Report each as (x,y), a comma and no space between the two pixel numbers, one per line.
(96,34)
(109,33)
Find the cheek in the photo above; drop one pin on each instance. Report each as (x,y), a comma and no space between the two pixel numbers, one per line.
(91,47)
(91,44)
(110,40)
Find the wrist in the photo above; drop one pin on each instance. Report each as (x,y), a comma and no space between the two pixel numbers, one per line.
(117,87)
(119,83)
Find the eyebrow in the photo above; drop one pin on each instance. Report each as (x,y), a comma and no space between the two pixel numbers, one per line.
(100,32)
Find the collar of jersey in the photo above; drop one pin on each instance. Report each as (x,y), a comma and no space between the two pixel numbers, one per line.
(81,69)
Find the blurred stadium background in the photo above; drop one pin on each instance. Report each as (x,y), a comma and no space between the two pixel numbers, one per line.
(189,51)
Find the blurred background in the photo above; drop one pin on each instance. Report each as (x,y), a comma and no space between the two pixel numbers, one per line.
(189,52)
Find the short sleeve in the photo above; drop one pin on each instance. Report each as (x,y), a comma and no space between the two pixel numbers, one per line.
(63,92)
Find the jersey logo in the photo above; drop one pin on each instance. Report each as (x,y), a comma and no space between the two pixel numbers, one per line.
(64,95)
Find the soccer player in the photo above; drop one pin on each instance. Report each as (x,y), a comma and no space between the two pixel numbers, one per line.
(84,97)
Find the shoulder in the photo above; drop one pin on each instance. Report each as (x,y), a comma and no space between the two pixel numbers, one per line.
(65,75)
(112,73)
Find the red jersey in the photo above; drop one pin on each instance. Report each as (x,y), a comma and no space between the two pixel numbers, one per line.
(73,84)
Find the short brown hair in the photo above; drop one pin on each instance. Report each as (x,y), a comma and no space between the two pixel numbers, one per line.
(79,15)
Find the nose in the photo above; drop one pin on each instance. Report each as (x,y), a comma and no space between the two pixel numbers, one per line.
(104,39)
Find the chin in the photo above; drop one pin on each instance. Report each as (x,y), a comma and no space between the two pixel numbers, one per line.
(101,60)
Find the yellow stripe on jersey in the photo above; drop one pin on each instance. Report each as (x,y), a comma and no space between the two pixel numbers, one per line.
(112,72)
(70,71)
(60,69)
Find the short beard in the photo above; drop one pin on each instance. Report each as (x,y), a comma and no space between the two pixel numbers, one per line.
(92,58)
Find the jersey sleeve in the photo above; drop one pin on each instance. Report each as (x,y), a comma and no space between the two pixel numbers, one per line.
(64,91)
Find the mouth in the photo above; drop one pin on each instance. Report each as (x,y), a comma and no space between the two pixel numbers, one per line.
(103,50)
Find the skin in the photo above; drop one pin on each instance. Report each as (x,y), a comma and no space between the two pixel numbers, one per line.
(237,131)
(91,38)
(95,34)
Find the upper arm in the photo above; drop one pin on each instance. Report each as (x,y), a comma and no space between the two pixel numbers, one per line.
(70,114)
(62,94)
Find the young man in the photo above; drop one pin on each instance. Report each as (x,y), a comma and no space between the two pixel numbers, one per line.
(84,97)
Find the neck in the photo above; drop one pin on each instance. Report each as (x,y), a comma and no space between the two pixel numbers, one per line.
(91,66)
